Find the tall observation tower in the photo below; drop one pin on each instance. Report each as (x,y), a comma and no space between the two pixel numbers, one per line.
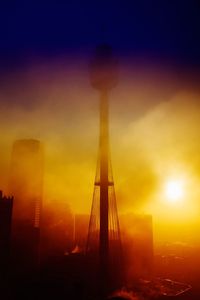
(104,233)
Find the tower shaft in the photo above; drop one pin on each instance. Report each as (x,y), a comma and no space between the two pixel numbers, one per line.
(104,242)
(104,183)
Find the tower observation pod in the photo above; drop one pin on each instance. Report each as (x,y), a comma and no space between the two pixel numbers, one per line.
(104,232)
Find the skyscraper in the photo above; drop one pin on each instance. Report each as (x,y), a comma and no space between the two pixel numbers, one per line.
(26,180)
(25,184)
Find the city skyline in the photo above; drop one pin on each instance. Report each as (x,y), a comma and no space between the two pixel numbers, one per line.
(67,149)
(58,123)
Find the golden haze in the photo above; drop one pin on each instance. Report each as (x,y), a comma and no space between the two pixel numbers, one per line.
(154,126)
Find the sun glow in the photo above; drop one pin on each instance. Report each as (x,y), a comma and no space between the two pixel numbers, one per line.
(174,190)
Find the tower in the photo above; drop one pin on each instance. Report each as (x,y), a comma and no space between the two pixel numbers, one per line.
(104,232)
(25,184)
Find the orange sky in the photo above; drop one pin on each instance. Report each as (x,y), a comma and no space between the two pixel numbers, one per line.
(154,127)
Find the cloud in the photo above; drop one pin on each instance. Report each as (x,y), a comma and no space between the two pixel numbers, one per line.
(150,129)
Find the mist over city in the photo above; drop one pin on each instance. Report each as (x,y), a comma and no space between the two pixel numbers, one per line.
(99,150)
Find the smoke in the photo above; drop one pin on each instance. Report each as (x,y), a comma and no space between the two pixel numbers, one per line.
(49,103)
(52,101)
(56,228)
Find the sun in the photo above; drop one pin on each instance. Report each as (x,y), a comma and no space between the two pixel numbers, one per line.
(174,190)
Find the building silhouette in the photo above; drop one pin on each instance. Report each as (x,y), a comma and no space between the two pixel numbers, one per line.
(6,205)
(25,184)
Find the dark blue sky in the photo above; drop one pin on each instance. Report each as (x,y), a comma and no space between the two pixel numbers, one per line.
(164,29)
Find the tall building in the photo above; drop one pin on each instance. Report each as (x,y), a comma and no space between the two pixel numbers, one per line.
(6,205)
(25,184)
(104,231)
(26,180)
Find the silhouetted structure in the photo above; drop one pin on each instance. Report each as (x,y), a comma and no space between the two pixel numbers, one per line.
(6,205)
(25,184)
(104,231)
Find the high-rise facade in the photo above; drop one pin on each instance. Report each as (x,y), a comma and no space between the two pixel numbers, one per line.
(25,184)
(26,180)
